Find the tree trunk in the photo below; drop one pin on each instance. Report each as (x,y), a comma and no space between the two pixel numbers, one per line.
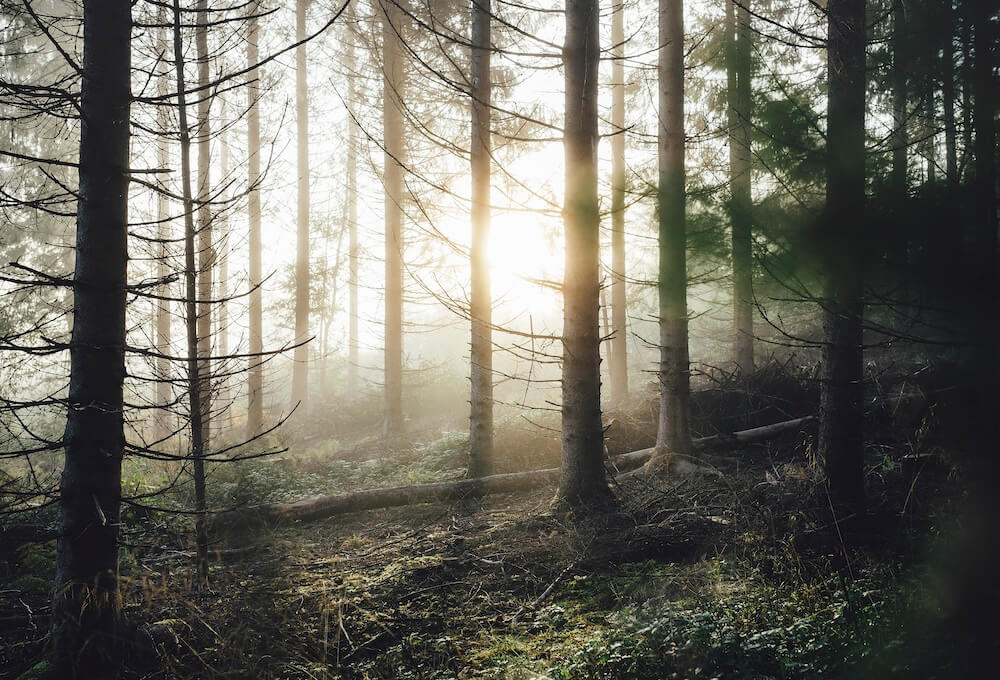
(619,319)
(900,137)
(164,392)
(193,321)
(222,322)
(327,506)
(392,123)
(300,370)
(582,483)
(206,246)
(255,379)
(86,605)
(352,206)
(480,306)
(948,98)
(673,434)
(986,320)
(841,444)
(966,75)
(738,72)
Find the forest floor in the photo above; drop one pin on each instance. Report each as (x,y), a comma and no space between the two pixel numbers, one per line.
(737,572)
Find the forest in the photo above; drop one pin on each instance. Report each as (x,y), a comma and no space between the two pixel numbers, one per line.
(499,339)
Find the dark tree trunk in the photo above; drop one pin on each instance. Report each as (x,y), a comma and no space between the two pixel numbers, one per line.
(619,317)
(948,95)
(583,483)
(986,321)
(900,136)
(300,369)
(480,307)
(966,75)
(738,71)
(193,321)
(255,379)
(86,605)
(392,130)
(840,429)
(673,433)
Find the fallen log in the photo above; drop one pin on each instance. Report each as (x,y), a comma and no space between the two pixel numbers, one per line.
(328,506)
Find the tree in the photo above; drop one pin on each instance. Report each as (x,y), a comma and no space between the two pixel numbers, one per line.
(840,439)
(673,435)
(619,323)
(480,305)
(300,372)
(163,385)
(255,382)
(392,128)
(86,606)
(583,483)
(741,200)
(203,201)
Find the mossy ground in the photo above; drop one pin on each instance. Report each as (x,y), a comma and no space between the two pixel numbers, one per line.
(743,575)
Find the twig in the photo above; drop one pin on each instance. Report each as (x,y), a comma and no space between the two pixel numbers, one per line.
(544,596)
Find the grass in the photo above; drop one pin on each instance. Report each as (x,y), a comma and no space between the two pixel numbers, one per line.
(738,577)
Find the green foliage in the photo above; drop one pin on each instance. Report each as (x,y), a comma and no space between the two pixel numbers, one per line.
(419,656)
(644,642)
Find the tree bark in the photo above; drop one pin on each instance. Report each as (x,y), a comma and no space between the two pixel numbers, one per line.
(740,178)
(582,483)
(392,124)
(300,370)
(164,391)
(87,617)
(222,321)
(255,379)
(206,245)
(619,318)
(900,137)
(327,506)
(948,97)
(841,443)
(673,433)
(193,320)
(481,305)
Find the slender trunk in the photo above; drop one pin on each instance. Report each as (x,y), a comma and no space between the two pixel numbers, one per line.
(480,309)
(673,434)
(300,372)
(948,97)
(352,208)
(164,394)
(619,320)
(86,608)
(206,246)
(929,118)
(966,75)
(899,141)
(583,482)
(255,379)
(193,320)
(738,72)
(840,429)
(392,123)
(222,392)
